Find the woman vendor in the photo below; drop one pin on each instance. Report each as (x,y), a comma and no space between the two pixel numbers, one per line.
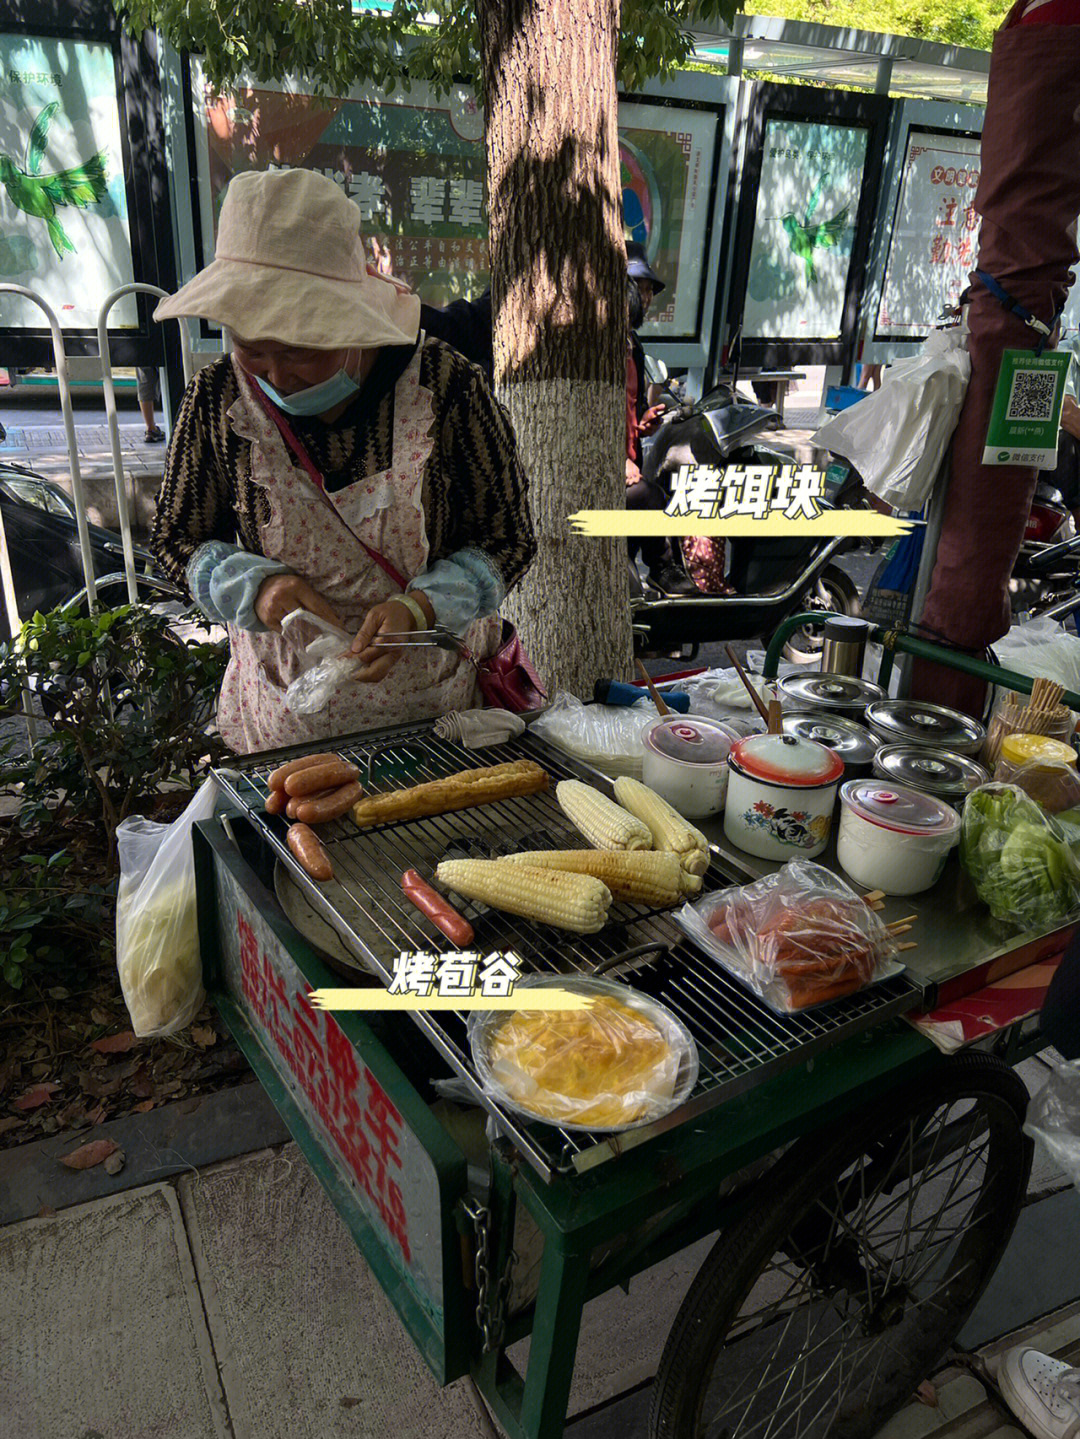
(338,462)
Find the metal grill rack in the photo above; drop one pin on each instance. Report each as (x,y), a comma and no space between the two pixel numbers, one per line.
(741,1042)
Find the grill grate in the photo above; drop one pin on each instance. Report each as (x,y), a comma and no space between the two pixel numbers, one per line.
(741,1042)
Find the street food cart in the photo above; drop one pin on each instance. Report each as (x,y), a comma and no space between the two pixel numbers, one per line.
(862,1186)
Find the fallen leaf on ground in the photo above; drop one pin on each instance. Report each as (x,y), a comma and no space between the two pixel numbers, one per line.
(59,992)
(142,1086)
(45,1211)
(143,1108)
(98,1085)
(100,1016)
(203,1036)
(114,1162)
(87,1155)
(34,1098)
(927,1394)
(10,1121)
(114,1043)
(40,1070)
(171,1086)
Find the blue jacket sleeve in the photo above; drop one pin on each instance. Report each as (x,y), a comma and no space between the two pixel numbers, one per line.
(463,588)
(224,582)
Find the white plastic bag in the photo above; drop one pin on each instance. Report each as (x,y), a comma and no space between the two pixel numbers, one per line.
(1041,647)
(1053,1118)
(157,937)
(897,436)
(328,664)
(605,736)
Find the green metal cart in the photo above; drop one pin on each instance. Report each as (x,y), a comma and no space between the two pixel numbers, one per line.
(862,1186)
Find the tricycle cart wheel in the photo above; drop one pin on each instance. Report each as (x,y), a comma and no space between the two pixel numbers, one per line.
(822,1311)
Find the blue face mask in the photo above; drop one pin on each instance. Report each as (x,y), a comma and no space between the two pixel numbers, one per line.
(316,399)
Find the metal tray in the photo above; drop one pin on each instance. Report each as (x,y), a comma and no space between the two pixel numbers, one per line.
(741,1043)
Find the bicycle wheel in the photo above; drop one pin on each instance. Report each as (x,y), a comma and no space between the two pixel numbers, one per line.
(823,1310)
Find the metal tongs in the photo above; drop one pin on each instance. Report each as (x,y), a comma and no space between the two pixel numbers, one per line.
(438,638)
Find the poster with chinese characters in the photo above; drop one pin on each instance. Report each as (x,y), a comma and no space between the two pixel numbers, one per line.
(934,240)
(804,228)
(414,166)
(63,208)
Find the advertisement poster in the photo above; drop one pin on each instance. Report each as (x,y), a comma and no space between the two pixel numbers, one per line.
(935,236)
(63,209)
(415,169)
(807,207)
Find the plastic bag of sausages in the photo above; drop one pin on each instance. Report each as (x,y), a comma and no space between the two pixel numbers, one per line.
(157,937)
(798,938)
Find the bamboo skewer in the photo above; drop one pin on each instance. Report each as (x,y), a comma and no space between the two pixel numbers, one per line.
(758,703)
(662,709)
(874,896)
(909,945)
(1042,713)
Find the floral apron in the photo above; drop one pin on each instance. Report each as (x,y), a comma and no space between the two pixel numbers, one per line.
(319,537)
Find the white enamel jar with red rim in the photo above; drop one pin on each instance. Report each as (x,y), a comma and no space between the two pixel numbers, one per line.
(893,838)
(781,795)
(686,763)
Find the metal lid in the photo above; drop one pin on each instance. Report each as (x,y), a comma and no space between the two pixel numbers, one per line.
(912,722)
(852,741)
(830,692)
(846,629)
(895,807)
(785,759)
(690,740)
(939,771)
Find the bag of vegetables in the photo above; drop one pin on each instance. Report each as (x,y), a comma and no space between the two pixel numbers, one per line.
(1018,857)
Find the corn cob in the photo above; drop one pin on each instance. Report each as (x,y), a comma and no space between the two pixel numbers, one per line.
(599,819)
(576,902)
(636,876)
(668,828)
(458,791)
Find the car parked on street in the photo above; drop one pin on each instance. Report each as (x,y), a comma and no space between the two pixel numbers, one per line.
(43,545)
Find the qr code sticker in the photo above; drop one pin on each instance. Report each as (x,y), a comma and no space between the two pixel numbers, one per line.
(1032,396)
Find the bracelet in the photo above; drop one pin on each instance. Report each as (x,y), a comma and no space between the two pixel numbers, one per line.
(413,606)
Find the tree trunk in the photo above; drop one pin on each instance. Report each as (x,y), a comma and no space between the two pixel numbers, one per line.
(559,298)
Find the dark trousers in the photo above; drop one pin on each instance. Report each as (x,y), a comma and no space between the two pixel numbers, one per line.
(1060,1018)
(649,495)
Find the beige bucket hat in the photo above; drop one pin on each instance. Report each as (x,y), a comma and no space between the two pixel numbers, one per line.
(290,266)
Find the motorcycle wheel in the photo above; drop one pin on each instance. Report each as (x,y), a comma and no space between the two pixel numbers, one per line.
(833,592)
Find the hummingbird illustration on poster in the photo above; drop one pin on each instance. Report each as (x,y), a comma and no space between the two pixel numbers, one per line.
(39,195)
(804,237)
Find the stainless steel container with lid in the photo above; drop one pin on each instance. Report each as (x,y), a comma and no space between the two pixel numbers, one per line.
(853,742)
(830,694)
(941,772)
(913,722)
(844,646)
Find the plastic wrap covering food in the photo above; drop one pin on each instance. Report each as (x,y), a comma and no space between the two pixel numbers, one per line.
(608,737)
(1018,858)
(797,938)
(311,692)
(622,1062)
(157,936)
(1053,1118)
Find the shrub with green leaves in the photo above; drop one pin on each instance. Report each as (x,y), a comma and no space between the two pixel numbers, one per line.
(128,703)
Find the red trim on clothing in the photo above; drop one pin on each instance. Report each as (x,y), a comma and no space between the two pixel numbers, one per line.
(1052,12)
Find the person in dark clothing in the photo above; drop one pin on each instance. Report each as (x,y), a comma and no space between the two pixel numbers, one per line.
(466,326)
(1060,1018)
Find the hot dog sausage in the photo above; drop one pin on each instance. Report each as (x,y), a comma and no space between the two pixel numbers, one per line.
(292,806)
(279,776)
(331,775)
(307,850)
(319,808)
(440,911)
(275,801)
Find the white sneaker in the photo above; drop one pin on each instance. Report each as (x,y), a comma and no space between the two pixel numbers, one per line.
(1043,1393)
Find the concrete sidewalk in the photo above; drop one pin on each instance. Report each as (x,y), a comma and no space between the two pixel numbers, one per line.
(203,1296)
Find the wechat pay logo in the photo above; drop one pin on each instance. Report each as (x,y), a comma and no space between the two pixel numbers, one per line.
(1003,457)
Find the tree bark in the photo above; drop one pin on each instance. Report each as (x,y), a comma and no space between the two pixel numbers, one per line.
(558,289)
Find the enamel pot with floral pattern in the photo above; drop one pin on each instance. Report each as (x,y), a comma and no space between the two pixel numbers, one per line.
(781,796)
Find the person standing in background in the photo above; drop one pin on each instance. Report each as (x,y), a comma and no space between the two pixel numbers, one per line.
(147,393)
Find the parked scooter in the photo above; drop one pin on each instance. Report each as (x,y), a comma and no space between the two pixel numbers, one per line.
(770,578)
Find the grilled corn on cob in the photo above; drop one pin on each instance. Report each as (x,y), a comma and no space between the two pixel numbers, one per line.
(637,876)
(599,819)
(576,902)
(666,825)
